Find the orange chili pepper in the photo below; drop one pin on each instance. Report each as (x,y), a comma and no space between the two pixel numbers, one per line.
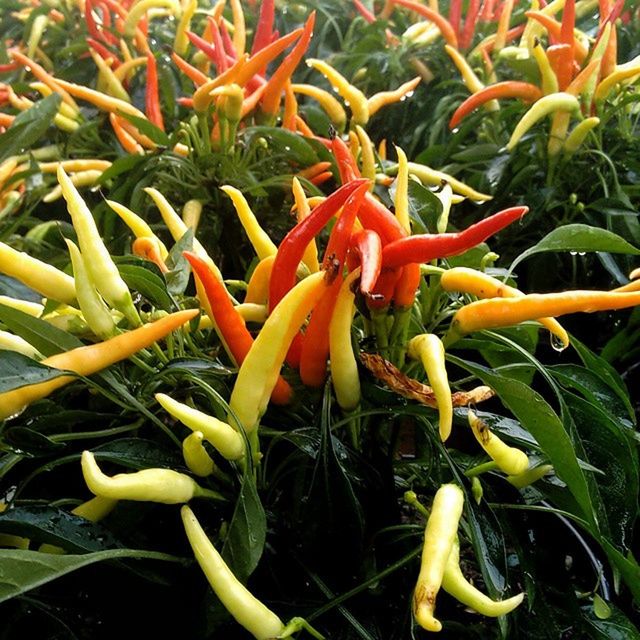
(446,28)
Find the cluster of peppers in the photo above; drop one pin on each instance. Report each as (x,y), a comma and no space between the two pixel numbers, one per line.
(573,78)
(305,305)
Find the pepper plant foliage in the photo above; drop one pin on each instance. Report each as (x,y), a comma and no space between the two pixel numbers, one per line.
(315,486)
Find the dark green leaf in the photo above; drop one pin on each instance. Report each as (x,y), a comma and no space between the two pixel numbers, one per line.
(578,237)
(29,442)
(46,338)
(424,207)
(26,570)
(615,626)
(284,142)
(137,453)
(15,289)
(537,416)
(245,540)
(54,526)
(17,371)
(120,166)
(28,127)
(147,283)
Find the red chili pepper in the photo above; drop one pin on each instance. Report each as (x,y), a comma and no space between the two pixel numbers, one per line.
(511,34)
(507,89)
(11,66)
(455,13)
(561,60)
(347,166)
(470,21)
(92,27)
(104,53)
(264,30)
(230,325)
(366,247)
(321,178)
(486,13)
(383,291)
(152,97)
(315,346)
(227,41)
(568,22)
(291,249)
(374,215)
(273,93)
(212,52)
(195,75)
(221,61)
(423,248)
(364,12)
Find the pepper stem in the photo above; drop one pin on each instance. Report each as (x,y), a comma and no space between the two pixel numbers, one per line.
(380,330)
(201,492)
(398,336)
(300,624)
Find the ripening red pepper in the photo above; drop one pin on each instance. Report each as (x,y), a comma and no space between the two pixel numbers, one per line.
(375,216)
(347,166)
(227,42)
(455,14)
(315,345)
(273,93)
(221,61)
(264,30)
(423,248)
(366,246)
(364,12)
(507,89)
(104,52)
(195,75)
(228,322)
(405,290)
(292,247)
(152,96)
(209,50)
(470,21)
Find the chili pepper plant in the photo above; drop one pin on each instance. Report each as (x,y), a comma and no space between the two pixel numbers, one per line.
(292,321)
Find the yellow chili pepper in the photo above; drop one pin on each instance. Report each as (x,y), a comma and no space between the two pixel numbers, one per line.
(177,228)
(101,267)
(481,285)
(578,135)
(220,435)
(503,25)
(258,287)
(149,485)
(428,348)
(99,99)
(505,312)
(39,276)
(181,40)
(31,308)
(402,191)
(11,342)
(529,476)
(138,226)
(445,195)
(344,366)
(384,98)
(74,165)
(66,110)
(303,209)
(439,537)
(509,459)
(261,242)
(197,459)
(202,96)
(331,106)
(247,610)
(85,361)
(367,156)
(353,97)
(78,179)
(551,103)
(547,74)
(259,371)
(456,585)
(432,177)
(191,213)
(93,308)
(37,29)
(253,312)
(621,73)
(141,7)
(125,70)
(112,84)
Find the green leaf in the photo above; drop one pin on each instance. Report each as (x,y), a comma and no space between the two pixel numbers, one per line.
(179,271)
(23,571)
(578,237)
(18,371)
(138,453)
(147,128)
(424,207)
(537,416)
(55,526)
(142,279)
(245,540)
(28,127)
(120,166)
(29,442)
(284,142)
(601,609)
(46,338)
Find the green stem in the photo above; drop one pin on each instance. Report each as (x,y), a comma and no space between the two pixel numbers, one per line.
(300,624)
(481,468)
(379,321)
(398,336)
